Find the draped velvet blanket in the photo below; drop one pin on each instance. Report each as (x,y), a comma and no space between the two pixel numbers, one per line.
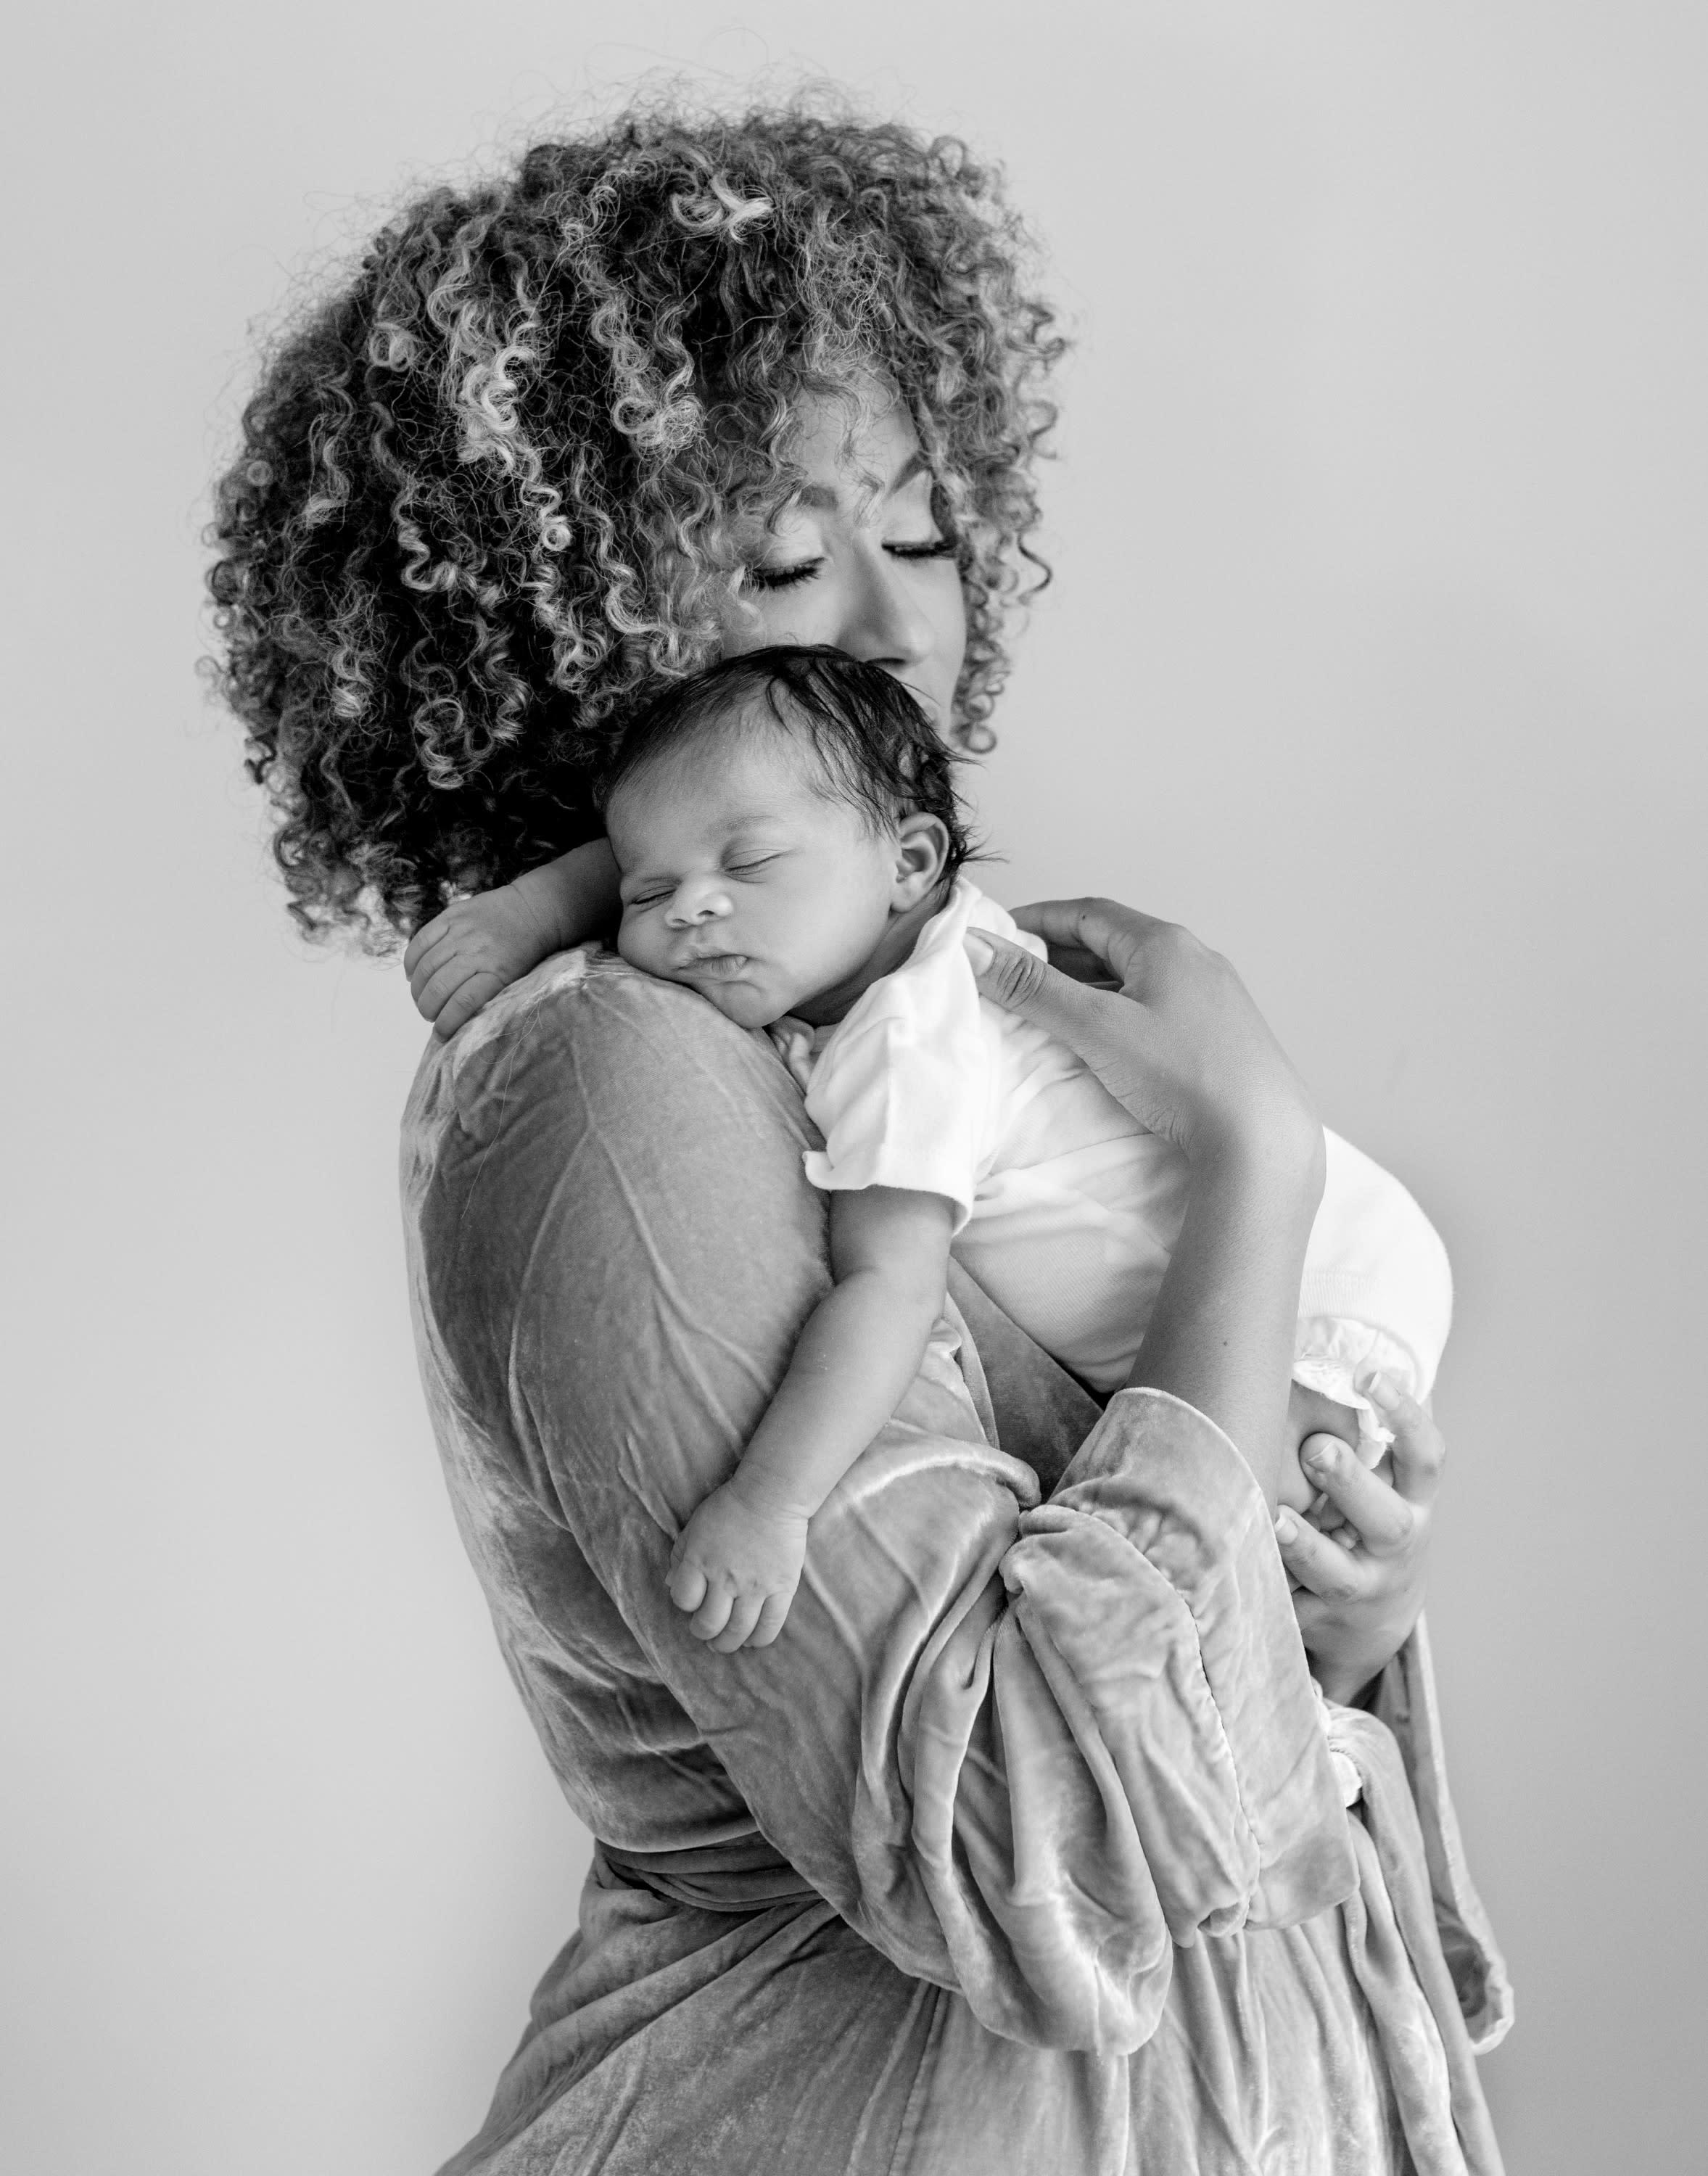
(1022,1850)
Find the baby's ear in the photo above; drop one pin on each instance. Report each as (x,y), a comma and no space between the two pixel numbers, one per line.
(921,851)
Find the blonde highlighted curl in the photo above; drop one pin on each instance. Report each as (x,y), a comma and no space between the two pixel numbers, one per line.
(487,496)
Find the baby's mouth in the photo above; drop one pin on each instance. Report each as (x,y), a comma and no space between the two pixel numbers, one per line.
(714,967)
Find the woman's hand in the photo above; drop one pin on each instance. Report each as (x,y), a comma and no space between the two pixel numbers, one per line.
(1172,1033)
(1358,1591)
(1186,1052)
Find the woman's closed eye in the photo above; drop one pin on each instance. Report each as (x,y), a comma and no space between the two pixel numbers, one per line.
(802,570)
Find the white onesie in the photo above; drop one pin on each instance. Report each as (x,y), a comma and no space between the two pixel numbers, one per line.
(1066,1209)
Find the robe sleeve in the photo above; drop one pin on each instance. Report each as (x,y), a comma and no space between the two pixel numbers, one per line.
(1026,1747)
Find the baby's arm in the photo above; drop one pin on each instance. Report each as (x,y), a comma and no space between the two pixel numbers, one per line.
(460,959)
(737,1562)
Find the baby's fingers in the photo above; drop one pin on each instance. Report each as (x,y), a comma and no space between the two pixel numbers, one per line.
(1321,1565)
(687,1584)
(433,990)
(772,1618)
(425,940)
(714,1612)
(422,962)
(744,1615)
(473,995)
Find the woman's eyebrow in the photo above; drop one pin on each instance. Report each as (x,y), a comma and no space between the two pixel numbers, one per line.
(824,498)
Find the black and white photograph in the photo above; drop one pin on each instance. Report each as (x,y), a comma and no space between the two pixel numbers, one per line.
(855,1262)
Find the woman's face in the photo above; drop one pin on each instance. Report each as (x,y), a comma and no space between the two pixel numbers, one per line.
(856,561)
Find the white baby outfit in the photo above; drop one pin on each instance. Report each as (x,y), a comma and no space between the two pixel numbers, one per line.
(1066,1209)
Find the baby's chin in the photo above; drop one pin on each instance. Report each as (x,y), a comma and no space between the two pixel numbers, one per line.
(748,1003)
(746,1008)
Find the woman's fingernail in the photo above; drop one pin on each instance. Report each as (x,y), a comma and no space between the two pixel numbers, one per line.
(1382,1390)
(1319,1457)
(977,951)
(1286,1526)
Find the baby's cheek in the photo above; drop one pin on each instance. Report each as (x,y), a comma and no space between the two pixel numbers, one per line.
(632,944)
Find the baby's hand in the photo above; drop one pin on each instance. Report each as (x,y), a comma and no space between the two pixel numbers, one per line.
(460,960)
(737,1568)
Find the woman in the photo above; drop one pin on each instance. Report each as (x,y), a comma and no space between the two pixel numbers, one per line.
(1022,1848)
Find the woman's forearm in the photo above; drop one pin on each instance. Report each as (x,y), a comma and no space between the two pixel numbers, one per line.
(1221,1333)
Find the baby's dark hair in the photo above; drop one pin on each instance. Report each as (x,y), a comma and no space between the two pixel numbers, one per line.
(874,746)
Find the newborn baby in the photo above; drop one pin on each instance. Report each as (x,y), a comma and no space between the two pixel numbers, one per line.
(790,845)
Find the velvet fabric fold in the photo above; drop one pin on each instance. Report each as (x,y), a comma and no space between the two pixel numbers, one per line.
(1021,1849)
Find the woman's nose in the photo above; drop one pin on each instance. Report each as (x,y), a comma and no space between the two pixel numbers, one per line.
(884,622)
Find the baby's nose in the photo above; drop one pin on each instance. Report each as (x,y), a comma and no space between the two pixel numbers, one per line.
(698,900)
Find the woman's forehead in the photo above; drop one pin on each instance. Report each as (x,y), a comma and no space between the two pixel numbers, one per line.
(849,453)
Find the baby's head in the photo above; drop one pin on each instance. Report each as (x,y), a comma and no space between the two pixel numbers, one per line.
(783,825)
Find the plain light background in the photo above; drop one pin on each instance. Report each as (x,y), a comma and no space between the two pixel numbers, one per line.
(1376,654)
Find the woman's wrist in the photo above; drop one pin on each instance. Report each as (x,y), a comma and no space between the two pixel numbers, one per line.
(1221,1334)
(1351,1679)
(1279,1153)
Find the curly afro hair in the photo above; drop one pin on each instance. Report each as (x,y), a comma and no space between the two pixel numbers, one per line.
(488,493)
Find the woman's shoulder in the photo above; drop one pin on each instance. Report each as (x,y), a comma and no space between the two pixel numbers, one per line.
(586,1026)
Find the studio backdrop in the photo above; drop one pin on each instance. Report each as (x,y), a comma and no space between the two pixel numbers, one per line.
(1374,652)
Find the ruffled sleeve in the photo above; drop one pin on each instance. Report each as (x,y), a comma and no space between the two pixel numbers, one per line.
(1377,1293)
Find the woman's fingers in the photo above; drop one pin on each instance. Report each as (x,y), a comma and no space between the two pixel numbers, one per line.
(1419,1452)
(1105,1030)
(1382,1519)
(1101,928)
(1317,1562)
(1080,965)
